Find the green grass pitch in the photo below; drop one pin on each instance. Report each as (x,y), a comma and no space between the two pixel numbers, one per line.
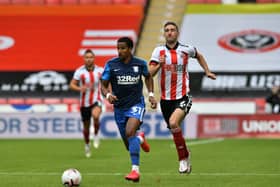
(225,163)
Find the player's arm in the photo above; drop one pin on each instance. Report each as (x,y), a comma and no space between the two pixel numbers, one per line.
(156,62)
(105,87)
(106,90)
(201,60)
(154,67)
(74,85)
(149,82)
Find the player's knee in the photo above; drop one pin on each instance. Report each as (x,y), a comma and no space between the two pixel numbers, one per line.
(173,124)
(96,121)
(129,133)
(86,124)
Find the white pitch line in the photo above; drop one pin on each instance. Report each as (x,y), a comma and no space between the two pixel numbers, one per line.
(200,142)
(206,141)
(147,174)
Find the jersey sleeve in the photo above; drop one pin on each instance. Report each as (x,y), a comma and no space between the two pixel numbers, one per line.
(145,69)
(192,52)
(155,55)
(76,75)
(106,72)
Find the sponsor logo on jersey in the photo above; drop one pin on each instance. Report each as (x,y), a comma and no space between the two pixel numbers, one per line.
(135,69)
(127,79)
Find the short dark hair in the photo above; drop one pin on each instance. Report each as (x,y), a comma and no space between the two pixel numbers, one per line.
(88,51)
(126,40)
(171,23)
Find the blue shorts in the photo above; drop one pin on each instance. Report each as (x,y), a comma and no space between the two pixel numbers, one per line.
(121,115)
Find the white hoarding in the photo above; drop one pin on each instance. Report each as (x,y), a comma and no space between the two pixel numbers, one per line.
(234,42)
(68,125)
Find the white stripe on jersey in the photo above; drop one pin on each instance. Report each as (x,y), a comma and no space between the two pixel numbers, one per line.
(173,75)
(91,79)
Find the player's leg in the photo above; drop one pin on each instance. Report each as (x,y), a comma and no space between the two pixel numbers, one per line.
(174,113)
(182,109)
(121,123)
(96,112)
(86,115)
(135,118)
(134,148)
(143,142)
(178,138)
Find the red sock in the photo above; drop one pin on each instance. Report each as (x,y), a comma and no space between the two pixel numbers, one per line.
(180,144)
(86,135)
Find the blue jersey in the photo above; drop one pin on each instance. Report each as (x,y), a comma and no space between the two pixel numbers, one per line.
(126,80)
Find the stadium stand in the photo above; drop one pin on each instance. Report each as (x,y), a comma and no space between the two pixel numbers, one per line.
(70,2)
(73,2)
(230,1)
(53,2)
(19,2)
(36,2)
(204,1)
(5,2)
(158,13)
(30,99)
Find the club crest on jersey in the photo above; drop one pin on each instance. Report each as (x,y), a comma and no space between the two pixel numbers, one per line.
(135,68)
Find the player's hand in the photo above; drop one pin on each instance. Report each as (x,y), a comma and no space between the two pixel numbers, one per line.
(211,75)
(153,102)
(87,87)
(84,88)
(112,98)
(161,59)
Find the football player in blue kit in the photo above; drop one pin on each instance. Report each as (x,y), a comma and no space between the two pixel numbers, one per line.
(121,83)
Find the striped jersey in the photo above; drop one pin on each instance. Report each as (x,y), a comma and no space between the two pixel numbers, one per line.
(92,80)
(173,74)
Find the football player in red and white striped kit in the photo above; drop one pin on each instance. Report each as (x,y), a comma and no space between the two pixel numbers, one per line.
(171,61)
(86,80)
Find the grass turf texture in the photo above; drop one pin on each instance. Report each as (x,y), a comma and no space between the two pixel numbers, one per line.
(231,162)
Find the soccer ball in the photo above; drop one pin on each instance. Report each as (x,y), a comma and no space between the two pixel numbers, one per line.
(71,177)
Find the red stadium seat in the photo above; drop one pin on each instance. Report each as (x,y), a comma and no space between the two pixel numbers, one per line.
(5,2)
(36,2)
(33,101)
(141,2)
(20,2)
(264,1)
(70,2)
(70,101)
(213,1)
(196,1)
(15,101)
(120,1)
(3,101)
(52,101)
(104,1)
(53,2)
(87,2)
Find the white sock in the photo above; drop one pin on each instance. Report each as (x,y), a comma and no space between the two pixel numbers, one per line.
(141,139)
(135,168)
